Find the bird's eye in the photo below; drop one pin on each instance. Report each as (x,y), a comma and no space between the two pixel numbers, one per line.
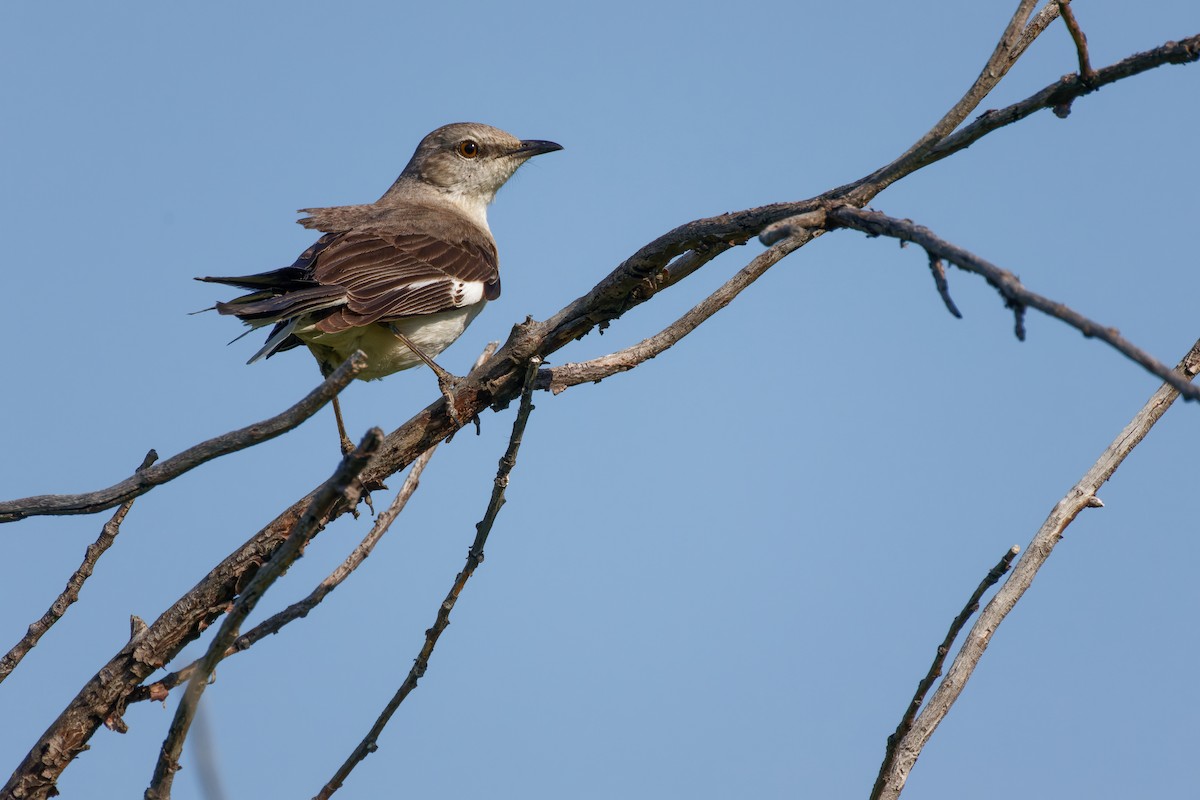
(468,148)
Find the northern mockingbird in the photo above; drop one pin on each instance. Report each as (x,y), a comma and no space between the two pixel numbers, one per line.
(400,278)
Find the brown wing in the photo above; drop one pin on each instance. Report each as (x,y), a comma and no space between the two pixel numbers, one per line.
(387,276)
(346,280)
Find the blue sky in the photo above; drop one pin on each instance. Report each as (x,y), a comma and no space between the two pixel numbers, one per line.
(721,574)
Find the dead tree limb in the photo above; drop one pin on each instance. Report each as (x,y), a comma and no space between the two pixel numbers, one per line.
(1081,496)
(557,379)
(935,669)
(160,689)
(1014,293)
(145,479)
(108,535)
(1086,73)
(343,488)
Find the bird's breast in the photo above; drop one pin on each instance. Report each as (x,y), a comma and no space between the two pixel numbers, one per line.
(386,354)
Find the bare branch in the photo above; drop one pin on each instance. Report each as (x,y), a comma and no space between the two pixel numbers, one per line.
(1086,73)
(474,558)
(108,535)
(143,480)
(1039,23)
(342,488)
(738,226)
(160,689)
(618,292)
(301,608)
(935,669)
(557,379)
(1081,496)
(1015,295)
(1060,94)
(1013,42)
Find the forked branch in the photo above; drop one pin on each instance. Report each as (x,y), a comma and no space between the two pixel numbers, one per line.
(344,488)
(557,379)
(935,669)
(160,689)
(1086,73)
(1082,495)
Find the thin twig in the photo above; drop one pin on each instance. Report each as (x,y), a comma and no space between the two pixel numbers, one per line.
(1016,38)
(160,689)
(144,480)
(558,378)
(474,558)
(1063,92)
(1036,26)
(108,535)
(342,487)
(1086,73)
(609,298)
(943,288)
(935,669)
(382,525)
(1015,295)
(1081,496)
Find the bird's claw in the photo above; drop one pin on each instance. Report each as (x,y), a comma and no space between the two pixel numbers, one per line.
(448,385)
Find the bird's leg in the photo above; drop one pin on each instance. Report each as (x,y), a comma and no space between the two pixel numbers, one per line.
(447,383)
(345,443)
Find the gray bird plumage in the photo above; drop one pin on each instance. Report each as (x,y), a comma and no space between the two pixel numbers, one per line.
(419,262)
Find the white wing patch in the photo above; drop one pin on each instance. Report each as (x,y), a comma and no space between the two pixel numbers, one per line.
(422,284)
(467,293)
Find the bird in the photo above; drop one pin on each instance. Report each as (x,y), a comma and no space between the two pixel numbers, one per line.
(400,278)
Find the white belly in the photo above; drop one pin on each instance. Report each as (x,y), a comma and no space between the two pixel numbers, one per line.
(386,354)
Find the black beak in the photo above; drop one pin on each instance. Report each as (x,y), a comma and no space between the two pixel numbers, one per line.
(535,147)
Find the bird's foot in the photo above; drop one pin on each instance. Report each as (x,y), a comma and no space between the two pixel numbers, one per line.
(449,385)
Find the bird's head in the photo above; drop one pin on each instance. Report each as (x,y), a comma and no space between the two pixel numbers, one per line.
(470,161)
